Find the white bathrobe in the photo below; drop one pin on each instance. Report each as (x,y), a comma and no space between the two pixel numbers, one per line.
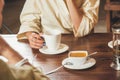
(46,15)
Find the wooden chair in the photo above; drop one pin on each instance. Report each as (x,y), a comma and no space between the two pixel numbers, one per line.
(110,7)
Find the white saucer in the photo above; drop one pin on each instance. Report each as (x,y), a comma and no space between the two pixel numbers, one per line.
(87,64)
(110,44)
(62,48)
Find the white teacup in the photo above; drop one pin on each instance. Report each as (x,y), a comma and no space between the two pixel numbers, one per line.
(77,57)
(52,40)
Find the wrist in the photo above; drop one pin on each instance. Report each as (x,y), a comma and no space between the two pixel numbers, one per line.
(29,33)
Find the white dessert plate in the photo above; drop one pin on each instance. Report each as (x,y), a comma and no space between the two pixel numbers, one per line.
(62,48)
(89,63)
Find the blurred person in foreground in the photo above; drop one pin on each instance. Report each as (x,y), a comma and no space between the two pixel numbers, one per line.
(17,68)
(77,17)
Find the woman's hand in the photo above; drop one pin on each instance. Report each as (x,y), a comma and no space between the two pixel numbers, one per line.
(35,40)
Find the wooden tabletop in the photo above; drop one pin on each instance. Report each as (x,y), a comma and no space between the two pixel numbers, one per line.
(93,42)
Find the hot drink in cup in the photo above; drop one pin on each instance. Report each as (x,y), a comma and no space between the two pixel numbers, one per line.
(77,57)
(52,40)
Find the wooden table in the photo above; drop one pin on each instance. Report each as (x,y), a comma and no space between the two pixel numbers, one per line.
(93,42)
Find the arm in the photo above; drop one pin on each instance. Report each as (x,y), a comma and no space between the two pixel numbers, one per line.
(27,70)
(30,24)
(6,51)
(75,14)
(84,15)
(30,18)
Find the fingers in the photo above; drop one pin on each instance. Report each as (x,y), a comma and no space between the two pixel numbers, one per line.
(36,41)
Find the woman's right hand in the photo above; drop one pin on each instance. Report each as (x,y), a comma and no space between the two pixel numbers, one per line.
(35,40)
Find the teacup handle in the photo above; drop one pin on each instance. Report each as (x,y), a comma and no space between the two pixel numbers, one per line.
(43,36)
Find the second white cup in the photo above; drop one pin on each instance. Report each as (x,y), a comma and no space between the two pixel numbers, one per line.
(77,57)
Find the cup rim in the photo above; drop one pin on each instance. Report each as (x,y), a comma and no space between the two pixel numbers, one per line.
(78,53)
(54,32)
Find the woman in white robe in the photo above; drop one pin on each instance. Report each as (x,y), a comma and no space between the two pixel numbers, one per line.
(77,17)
